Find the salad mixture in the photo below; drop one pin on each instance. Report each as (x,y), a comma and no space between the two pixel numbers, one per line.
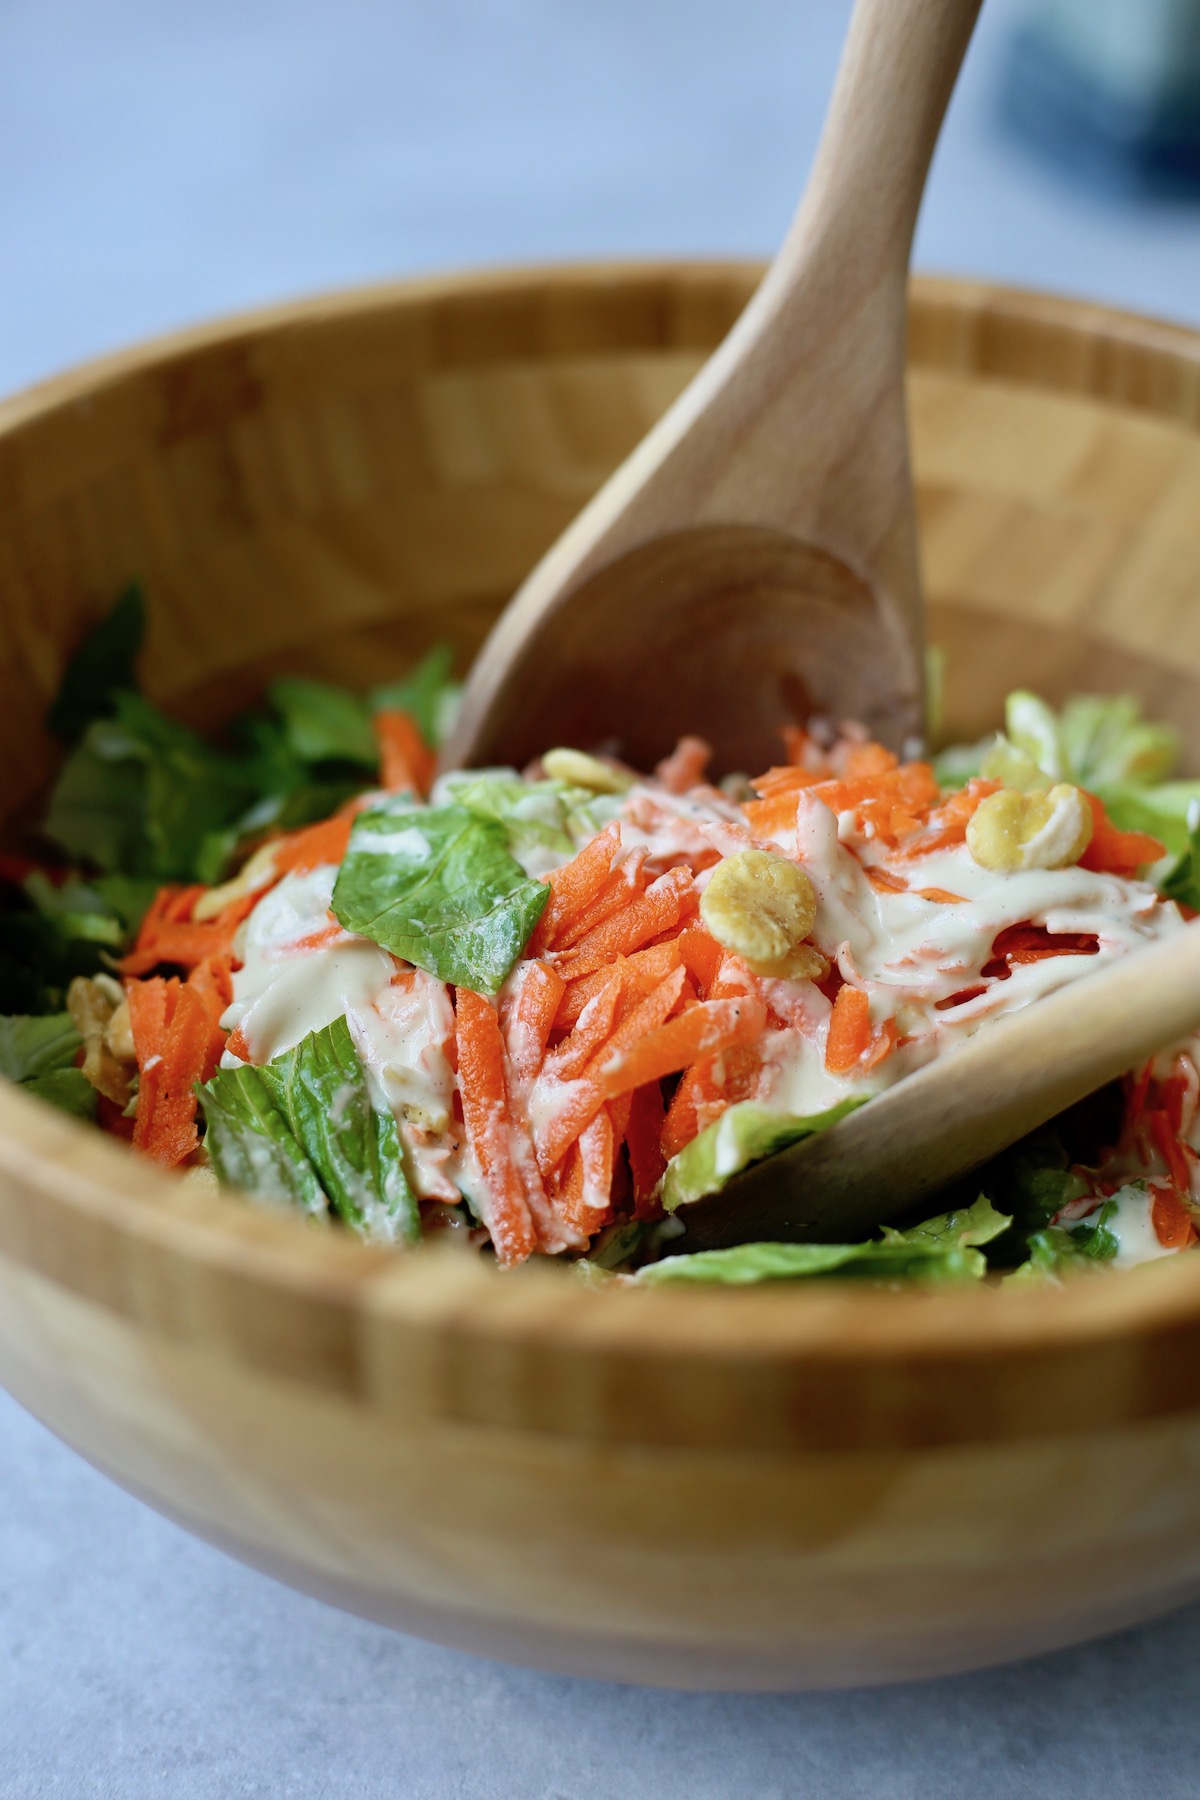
(540,1011)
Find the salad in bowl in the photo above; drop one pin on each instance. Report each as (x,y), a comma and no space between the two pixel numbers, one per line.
(539,1011)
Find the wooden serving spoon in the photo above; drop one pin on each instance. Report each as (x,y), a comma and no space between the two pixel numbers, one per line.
(954,1114)
(754,560)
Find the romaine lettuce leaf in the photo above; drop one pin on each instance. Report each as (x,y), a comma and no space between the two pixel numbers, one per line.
(324,723)
(1099,741)
(942,1249)
(438,887)
(429,692)
(39,1055)
(303,1128)
(33,1047)
(103,666)
(744,1134)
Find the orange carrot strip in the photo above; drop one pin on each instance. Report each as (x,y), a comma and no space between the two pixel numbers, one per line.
(176,1044)
(574,887)
(594,1027)
(646,968)
(849,1030)
(539,991)
(707,1027)
(768,817)
(485,1115)
(685,766)
(661,906)
(941,896)
(587,1208)
(585,1095)
(621,887)
(302,851)
(320,939)
(237,1045)
(702,957)
(406,763)
(1173,1224)
(867,760)
(1171,1150)
(1114,852)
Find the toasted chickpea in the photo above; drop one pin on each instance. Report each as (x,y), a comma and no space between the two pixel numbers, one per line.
(1011,831)
(762,907)
(582,770)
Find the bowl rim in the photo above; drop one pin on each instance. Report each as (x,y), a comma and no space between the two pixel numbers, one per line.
(143,1234)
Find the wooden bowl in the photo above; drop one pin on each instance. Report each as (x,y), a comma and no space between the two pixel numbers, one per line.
(774,1488)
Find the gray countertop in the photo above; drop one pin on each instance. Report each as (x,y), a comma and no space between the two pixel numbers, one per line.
(160,164)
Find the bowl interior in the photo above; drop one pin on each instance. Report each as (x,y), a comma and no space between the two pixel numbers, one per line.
(336,486)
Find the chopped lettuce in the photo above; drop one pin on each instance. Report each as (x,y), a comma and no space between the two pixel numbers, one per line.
(744,1134)
(941,1249)
(39,1054)
(303,1128)
(545,821)
(1097,741)
(32,1047)
(429,692)
(438,887)
(324,723)
(103,666)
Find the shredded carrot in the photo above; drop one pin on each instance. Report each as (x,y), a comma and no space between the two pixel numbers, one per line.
(588,1206)
(710,1026)
(661,907)
(685,766)
(623,884)
(849,1030)
(485,1104)
(177,1044)
(1114,852)
(574,887)
(406,763)
(1173,1224)
(593,1028)
(1171,1150)
(645,967)
(300,852)
(539,992)
(181,941)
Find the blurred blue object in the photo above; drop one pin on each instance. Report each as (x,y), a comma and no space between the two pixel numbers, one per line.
(1111,88)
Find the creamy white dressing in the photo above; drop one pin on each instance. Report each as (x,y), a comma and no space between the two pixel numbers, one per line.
(400,1018)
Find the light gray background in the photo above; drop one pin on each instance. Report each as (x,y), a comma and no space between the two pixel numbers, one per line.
(166,160)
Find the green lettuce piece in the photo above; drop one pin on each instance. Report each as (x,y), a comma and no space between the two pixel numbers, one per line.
(39,1055)
(104,664)
(324,723)
(1182,880)
(1107,741)
(942,1249)
(744,1134)
(1093,1238)
(250,1143)
(303,1128)
(545,821)
(31,1047)
(438,887)
(68,1089)
(429,692)
(1100,741)
(96,806)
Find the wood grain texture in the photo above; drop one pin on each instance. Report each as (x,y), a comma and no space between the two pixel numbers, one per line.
(764,1489)
(761,540)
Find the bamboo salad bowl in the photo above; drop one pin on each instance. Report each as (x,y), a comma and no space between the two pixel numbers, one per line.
(771,1488)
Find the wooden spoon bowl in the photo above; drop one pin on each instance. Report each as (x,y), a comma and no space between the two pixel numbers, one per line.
(773,1488)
